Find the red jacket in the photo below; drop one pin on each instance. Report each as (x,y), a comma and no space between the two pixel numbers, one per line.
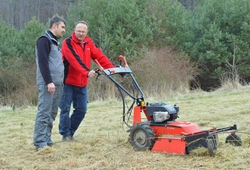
(77,60)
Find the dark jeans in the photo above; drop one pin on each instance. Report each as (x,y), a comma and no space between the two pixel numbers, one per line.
(78,96)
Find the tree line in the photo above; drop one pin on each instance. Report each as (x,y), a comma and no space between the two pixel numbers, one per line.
(213,35)
(19,12)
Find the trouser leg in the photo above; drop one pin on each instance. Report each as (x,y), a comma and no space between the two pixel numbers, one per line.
(43,116)
(65,103)
(54,111)
(80,108)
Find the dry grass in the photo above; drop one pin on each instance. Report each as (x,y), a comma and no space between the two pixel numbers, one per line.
(103,145)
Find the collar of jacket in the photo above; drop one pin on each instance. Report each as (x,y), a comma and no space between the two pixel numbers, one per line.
(52,37)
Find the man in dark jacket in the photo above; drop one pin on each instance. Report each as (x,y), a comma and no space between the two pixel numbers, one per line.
(77,51)
(49,79)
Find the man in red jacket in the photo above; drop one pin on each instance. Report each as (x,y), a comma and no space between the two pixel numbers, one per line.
(77,52)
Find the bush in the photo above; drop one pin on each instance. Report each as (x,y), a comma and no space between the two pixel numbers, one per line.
(164,72)
(18,83)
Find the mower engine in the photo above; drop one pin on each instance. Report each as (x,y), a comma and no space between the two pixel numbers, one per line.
(160,112)
(161,116)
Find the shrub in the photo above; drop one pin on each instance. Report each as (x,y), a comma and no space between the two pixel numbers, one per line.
(164,72)
(18,83)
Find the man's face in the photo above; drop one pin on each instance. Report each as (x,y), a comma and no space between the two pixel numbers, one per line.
(59,29)
(81,30)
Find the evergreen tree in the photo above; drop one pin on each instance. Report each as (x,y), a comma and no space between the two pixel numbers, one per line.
(9,39)
(221,41)
(27,39)
(118,27)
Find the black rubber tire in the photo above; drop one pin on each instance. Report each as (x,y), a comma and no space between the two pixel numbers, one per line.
(234,139)
(216,141)
(142,136)
(211,147)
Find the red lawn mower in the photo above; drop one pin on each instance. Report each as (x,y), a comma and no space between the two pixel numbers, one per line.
(160,132)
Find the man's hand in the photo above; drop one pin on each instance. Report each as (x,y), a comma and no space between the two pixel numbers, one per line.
(92,74)
(51,88)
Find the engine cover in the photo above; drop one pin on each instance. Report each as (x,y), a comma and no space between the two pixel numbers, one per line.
(172,110)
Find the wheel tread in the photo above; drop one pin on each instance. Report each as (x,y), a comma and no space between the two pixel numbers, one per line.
(150,136)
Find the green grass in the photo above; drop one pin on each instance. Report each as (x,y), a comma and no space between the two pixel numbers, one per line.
(102,144)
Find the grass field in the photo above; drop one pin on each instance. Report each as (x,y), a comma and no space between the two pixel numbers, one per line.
(102,144)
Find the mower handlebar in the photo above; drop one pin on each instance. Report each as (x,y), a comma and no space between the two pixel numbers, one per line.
(111,71)
(116,70)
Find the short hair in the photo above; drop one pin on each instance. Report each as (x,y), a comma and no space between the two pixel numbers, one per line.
(81,22)
(56,20)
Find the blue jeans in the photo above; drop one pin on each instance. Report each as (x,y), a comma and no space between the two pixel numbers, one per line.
(78,96)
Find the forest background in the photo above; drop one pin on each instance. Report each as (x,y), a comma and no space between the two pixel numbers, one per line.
(172,46)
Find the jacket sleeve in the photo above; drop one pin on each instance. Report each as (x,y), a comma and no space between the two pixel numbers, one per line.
(68,53)
(43,50)
(96,53)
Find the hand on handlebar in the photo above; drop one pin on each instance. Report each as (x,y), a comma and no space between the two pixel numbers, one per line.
(91,74)
(98,73)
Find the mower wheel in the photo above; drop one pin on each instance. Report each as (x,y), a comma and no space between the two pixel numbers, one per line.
(142,136)
(216,141)
(234,139)
(211,147)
